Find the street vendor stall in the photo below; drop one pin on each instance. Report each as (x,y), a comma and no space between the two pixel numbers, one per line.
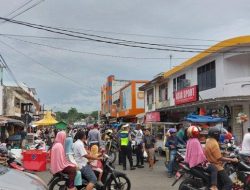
(61,125)
(48,120)
(10,127)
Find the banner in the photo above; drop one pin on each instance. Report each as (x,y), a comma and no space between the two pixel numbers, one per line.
(186,95)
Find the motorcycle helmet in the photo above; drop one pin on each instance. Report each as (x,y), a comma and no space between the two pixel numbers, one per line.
(214,132)
(193,132)
(172,130)
(109,132)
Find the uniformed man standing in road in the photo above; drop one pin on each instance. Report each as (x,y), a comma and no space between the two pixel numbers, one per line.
(125,144)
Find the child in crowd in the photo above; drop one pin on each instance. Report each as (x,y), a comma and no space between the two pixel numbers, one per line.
(96,164)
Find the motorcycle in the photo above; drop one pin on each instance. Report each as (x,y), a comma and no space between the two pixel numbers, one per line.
(111,149)
(199,178)
(111,179)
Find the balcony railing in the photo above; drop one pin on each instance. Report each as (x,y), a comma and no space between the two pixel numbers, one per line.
(162,104)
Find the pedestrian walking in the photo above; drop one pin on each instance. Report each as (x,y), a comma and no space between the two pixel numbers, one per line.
(139,147)
(149,146)
(125,146)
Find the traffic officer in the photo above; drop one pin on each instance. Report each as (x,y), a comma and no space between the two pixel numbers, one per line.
(125,145)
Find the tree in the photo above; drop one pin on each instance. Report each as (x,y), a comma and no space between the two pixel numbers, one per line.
(94,114)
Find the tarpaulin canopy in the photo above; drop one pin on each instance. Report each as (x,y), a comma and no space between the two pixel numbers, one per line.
(47,120)
(7,120)
(204,119)
(61,125)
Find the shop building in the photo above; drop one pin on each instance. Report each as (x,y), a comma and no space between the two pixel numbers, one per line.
(216,81)
(121,100)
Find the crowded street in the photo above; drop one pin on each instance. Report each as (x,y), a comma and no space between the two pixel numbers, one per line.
(140,178)
(124,95)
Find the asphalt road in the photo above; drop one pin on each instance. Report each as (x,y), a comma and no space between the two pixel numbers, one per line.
(141,179)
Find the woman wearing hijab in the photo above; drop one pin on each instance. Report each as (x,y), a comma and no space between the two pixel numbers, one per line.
(195,155)
(59,162)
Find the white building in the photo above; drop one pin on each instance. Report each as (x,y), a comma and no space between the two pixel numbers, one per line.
(217,79)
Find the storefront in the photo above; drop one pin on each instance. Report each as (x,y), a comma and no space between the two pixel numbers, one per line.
(228,107)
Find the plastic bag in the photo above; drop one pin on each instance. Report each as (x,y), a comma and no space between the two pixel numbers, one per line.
(145,154)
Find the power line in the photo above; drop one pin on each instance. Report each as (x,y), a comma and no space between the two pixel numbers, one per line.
(27,9)
(9,70)
(20,7)
(121,42)
(140,35)
(92,53)
(39,63)
(73,39)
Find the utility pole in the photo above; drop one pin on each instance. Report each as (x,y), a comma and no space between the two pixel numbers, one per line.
(170,61)
(1,70)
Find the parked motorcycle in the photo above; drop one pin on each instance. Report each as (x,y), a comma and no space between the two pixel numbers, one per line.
(111,179)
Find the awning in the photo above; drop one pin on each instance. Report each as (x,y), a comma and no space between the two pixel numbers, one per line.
(204,119)
(213,101)
(7,120)
(48,120)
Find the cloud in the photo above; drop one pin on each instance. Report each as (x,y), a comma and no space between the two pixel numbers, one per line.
(216,20)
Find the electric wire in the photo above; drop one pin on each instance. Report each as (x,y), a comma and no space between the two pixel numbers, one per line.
(92,53)
(120,42)
(48,68)
(9,70)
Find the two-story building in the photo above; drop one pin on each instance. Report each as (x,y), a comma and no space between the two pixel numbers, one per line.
(216,80)
(18,103)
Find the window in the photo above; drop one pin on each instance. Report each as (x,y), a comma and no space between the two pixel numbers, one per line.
(17,103)
(150,96)
(206,76)
(179,82)
(163,92)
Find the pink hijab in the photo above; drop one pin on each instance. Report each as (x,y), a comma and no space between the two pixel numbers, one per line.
(58,157)
(194,155)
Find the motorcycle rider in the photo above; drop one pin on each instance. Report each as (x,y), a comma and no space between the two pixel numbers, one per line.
(214,156)
(172,143)
(195,155)
(81,157)
(59,163)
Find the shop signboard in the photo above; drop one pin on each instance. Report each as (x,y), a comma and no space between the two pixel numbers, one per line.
(186,95)
(153,117)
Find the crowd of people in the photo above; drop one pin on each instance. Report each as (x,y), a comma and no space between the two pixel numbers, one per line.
(79,151)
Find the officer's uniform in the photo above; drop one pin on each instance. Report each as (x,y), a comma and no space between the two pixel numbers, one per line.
(126,150)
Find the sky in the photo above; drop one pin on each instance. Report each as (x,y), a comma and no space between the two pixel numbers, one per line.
(65,79)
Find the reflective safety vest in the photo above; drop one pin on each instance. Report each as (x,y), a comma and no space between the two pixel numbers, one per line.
(124,138)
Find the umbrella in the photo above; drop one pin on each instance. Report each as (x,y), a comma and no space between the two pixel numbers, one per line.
(46,121)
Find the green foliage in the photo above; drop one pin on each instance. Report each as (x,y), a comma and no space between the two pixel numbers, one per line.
(73,115)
